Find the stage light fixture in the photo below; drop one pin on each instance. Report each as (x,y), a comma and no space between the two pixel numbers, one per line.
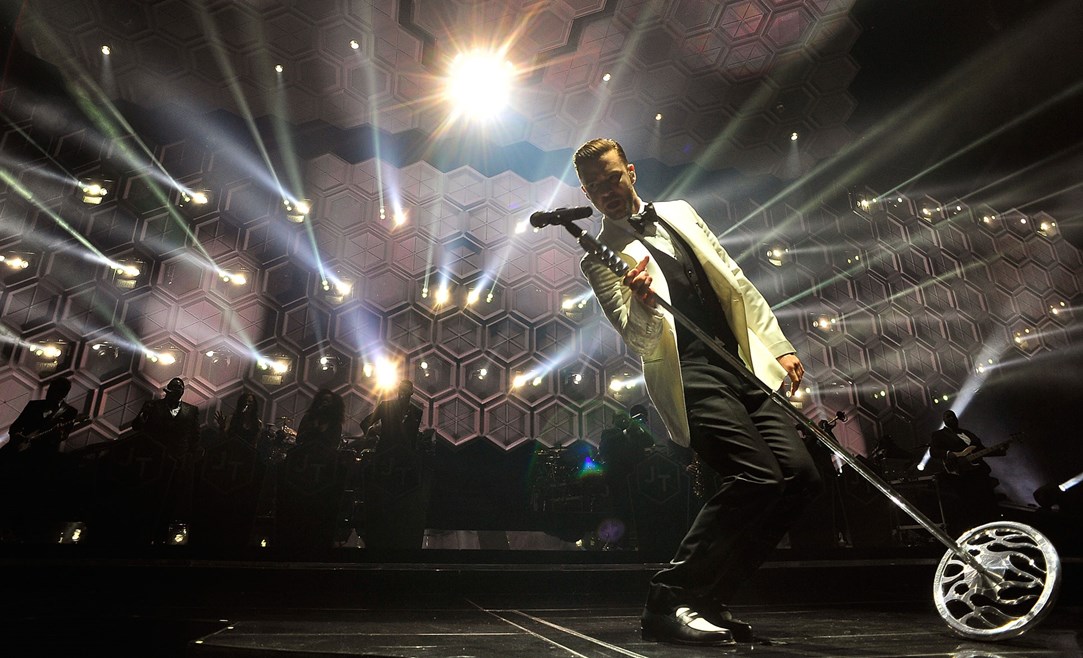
(106,50)
(825,322)
(625,386)
(658,117)
(329,364)
(177,534)
(274,368)
(953,210)
(336,289)
(793,137)
(297,211)
(1058,310)
(929,211)
(778,255)
(49,352)
(354,44)
(1025,338)
(574,308)
(480,373)
(279,68)
(15,260)
(518,380)
(607,77)
(237,277)
(127,271)
(863,203)
(1047,228)
(163,355)
(193,198)
(797,398)
(896,204)
(93,191)
(220,357)
(572,378)
(982,368)
(105,350)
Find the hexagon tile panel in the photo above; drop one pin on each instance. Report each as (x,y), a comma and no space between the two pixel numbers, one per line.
(417,251)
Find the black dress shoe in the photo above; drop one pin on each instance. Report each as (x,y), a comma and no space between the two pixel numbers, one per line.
(674,628)
(721,616)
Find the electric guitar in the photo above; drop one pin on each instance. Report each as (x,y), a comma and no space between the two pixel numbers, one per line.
(965,459)
(23,442)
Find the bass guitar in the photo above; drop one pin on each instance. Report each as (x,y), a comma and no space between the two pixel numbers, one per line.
(966,459)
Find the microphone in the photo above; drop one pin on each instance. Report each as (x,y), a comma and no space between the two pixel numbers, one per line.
(544,218)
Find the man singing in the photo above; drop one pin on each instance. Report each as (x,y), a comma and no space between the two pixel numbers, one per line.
(733,426)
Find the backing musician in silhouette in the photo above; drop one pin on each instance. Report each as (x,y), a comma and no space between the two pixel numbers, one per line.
(967,484)
(395,420)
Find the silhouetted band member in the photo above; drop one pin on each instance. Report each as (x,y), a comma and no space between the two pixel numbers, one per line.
(43,424)
(322,423)
(395,420)
(969,485)
(170,421)
(244,423)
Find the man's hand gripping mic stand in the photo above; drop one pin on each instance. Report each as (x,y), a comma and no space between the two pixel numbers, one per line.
(997,581)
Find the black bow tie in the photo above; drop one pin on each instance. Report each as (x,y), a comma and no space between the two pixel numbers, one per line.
(642,220)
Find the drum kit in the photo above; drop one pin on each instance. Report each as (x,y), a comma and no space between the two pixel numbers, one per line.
(995,582)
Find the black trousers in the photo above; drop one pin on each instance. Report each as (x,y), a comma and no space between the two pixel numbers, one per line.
(768,477)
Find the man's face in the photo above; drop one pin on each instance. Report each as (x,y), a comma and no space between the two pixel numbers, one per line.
(610,185)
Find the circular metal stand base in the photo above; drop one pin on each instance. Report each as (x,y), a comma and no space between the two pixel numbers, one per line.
(1026,578)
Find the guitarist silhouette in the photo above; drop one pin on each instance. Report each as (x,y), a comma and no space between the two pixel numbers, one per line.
(33,471)
(44,424)
(967,483)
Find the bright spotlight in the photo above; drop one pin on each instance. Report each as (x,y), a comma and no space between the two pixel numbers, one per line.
(442,295)
(658,117)
(778,255)
(106,50)
(793,137)
(479,83)
(825,322)
(237,277)
(607,77)
(519,380)
(1047,228)
(273,369)
(15,261)
(385,372)
(354,44)
(93,191)
(472,296)
(194,198)
(399,218)
(278,68)
(126,272)
(296,211)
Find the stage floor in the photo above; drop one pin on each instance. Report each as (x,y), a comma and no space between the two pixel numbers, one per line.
(163,608)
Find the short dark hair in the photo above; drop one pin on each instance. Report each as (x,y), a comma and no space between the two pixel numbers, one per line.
(595,148)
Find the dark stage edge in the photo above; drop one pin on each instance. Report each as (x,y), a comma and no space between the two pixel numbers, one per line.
(839,603)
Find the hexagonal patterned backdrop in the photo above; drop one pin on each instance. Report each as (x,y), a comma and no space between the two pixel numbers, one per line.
(903,300)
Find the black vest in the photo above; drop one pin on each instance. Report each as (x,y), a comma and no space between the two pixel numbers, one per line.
(691,293)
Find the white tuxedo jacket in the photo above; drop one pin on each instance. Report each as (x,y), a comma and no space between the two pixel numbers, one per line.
(652,334)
